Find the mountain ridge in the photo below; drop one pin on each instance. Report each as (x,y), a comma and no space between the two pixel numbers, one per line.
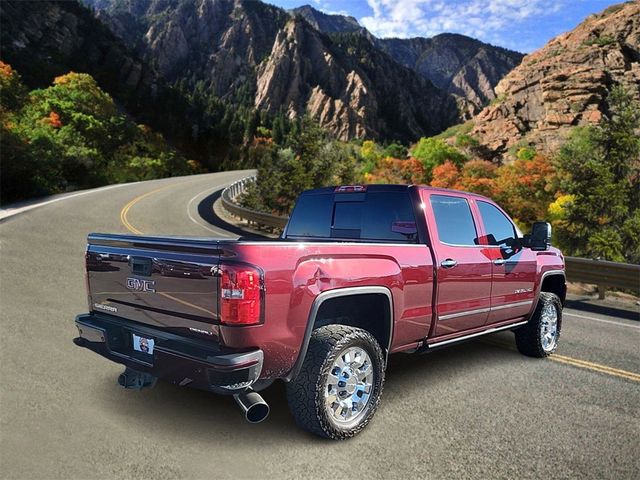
(564,84)
(458,64)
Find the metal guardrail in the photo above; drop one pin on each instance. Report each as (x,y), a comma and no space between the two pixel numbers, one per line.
(602,273)
(229,203)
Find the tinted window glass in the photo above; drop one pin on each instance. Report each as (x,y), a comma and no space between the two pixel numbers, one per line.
(348,215)
(497,226)
(454,220)
(311,216)
(370,216)
(389,216)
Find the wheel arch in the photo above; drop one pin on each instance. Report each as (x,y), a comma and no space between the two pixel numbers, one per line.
(326,303)
(552,281)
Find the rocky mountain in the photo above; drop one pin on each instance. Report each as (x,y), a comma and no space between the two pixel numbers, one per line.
(328,23)
(459,65)
(252,53)
(349,86)
(209,62)
(564,84)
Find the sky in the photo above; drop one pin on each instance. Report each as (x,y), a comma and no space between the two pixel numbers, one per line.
(522,25)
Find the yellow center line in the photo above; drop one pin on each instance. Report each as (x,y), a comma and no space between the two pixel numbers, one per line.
(127,207)
(595,367)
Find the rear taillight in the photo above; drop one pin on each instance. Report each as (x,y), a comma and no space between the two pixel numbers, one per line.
(240,295)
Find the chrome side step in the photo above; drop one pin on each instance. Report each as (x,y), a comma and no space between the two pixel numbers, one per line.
(430,346)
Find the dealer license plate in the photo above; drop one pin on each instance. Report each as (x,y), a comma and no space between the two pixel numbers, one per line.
(142,344)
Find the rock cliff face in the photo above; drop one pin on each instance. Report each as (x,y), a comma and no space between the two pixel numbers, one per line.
(459,65)
(565,83)
(328,23)
(218,42)
(255,54)
(308,72)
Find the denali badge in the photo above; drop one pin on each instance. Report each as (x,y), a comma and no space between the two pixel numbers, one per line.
(141,285)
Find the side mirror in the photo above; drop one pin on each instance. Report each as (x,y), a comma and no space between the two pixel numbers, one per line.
(540,237)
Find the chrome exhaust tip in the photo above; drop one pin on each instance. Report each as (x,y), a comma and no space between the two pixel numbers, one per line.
(252,404)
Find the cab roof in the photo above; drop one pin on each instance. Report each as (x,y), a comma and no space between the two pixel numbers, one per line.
(389,188)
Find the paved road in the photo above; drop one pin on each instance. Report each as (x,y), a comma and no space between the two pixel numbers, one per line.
(478,410)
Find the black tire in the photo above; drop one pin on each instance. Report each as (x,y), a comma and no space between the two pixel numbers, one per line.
(529,337)
(305,393)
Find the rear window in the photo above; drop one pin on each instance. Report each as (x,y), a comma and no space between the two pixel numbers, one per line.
(378,216)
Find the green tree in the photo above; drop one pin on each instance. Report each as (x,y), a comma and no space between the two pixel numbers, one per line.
(600,168)
(433,152)
(371,153)
(396,150)
(72,135)
(311,160)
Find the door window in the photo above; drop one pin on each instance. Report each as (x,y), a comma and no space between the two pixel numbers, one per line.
(454,220)
(498,227)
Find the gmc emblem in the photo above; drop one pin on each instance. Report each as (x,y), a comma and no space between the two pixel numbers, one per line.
(141,285)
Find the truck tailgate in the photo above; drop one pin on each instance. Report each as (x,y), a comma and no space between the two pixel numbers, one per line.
(166,282)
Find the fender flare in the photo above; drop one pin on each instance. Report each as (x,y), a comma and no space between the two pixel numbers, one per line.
(331,294)
(546,274)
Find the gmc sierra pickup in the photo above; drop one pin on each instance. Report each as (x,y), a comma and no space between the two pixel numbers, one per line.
(360,272)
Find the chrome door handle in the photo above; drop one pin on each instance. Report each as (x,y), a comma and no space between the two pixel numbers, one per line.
(500,261)
(448,263)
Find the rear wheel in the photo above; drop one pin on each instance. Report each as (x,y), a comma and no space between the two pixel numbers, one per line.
(539,337)
(338,388)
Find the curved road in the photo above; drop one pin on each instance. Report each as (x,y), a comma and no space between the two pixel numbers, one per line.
(477,410)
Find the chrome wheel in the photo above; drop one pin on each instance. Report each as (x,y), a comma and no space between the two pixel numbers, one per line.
(349,386)
(549,327)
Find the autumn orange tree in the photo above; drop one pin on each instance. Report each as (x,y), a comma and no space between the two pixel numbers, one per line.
(525,187)
(395,170)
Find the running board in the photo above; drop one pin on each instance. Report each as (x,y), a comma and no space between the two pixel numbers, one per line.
(427,347)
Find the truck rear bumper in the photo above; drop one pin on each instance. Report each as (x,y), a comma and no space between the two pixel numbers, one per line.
(179,360)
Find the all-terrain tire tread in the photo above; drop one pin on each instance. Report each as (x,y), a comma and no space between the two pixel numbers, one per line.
(303,391)
(528,336)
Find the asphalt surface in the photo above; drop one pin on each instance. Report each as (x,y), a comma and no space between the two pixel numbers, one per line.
(477,410)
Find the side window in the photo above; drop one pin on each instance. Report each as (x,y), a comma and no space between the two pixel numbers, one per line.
(454,220)
(498,227)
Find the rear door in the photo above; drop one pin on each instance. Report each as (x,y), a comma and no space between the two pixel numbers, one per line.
(513,268)
(463,296)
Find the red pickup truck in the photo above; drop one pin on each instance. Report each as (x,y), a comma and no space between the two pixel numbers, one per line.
(360,272)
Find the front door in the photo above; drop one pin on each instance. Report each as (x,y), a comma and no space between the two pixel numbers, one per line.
(463,297)
(514,267)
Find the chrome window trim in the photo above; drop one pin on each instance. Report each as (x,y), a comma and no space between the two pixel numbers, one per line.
(473,220)
(463,314)
(514,304)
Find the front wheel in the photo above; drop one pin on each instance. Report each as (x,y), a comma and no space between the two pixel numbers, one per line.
(540,336)
(339,386)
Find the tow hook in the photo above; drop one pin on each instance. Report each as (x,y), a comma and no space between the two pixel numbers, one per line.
(253,405)
(136,380)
